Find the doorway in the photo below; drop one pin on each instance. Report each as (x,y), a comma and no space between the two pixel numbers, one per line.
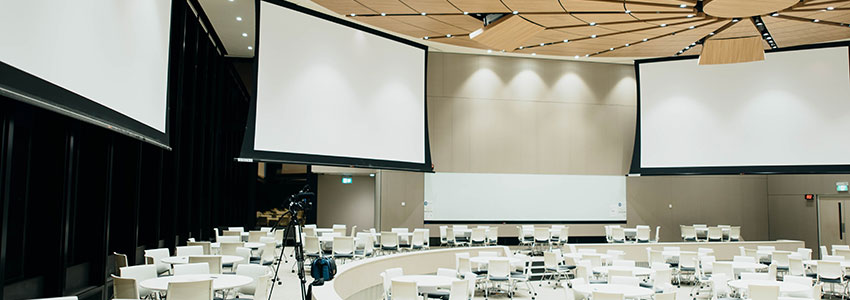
(832,219)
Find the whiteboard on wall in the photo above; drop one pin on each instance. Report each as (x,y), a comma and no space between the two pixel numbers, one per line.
(481,197)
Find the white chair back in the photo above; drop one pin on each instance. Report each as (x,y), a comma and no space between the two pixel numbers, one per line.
(764,292)
(140,273)
(608,296)
(459,290)
(213,262)
(191,290)
(624,280)
(403,290)
(191,269)
(158,255)
(254,271)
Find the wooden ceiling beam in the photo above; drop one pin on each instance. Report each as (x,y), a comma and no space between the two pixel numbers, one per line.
(654,38)
(625,32)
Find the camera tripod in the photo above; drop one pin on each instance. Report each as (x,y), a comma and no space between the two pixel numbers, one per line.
(298,247)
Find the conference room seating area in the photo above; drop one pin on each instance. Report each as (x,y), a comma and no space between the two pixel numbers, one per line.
(424,149)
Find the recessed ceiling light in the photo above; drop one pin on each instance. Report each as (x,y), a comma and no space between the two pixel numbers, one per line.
(577,57)
(815,20)
(520,47)
(690,16)
(245,34)
(628,11)
(383,14)
(592,24)
(489,51)
(239,19)
(711,33)
(645,40)
(663,25)
(425,38)
(542,44)
(230,0)
(735,20)
(830,8)
(688,47)
(586,55)
(466,13)
(566,41)
(759,24)
(593,36)
(692,27)
(533,53)
(250,48)
(503,50)
(516,12)
(611,49)
(765,33)
(423,13)
(449,35)
(776,14)
(693,44)
(627,45)
(769,38)
(683,5)
(353,15)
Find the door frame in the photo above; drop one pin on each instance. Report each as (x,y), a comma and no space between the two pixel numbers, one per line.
(817,206)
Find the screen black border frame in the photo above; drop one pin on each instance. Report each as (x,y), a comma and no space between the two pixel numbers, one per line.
(784,169)
(29,88)
(249,153)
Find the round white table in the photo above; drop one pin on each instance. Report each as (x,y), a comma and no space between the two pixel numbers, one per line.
(629,291)
(741,265)
(484,260)
(636,271)
(428,281)
(580,255)
(845,263)
(252,245)
(178,260)
(220,281)
(784,287)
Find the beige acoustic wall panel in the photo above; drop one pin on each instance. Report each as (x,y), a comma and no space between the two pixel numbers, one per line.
(508,33)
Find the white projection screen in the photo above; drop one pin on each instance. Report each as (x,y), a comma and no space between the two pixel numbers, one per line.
(102,61)
(786,114)
(484,197)
(331,92)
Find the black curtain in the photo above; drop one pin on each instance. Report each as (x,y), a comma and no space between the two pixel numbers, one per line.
(73,193)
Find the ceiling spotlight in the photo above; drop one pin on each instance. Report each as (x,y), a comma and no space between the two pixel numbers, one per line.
(503,50)
(612,49)
(449,35)
(423,13)
(425,38)
(542,44)
(692,27)
(663,25)
(586,55)
(627,44)
(765,33)
(769,38)
(533,53)
(466,13)
(759,24)
(683,5)
(628,11)
(577,57)
(230,0)
(250,48)
(830,8)
(693,44)
(239,19)
(383,14)
(593,36)
(592,24)
(516,12)
(690,16)
(711,33)
(680,51)
(353,15)
(776,14)
(735,20)
(489,51)
(520,47)
(245,34)
(815,20)
(645,40)
(566,41)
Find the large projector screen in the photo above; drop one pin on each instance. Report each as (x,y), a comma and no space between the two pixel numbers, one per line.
(786,114)
(335,93)
(497,198)
(102,61)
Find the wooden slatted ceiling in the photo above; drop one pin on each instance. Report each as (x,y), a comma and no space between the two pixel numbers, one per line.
(792,33)
(533,5)
(488,6)
(431,6)
(609,14)
(387,6)
(345,7)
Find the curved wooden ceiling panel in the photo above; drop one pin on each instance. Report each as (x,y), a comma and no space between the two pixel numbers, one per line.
(615,23)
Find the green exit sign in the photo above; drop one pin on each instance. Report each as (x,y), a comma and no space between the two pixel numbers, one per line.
(347,180)
(841,186)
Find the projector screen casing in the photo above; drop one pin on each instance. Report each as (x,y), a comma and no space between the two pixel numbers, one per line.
(249,151)
(34,82)
(638,168)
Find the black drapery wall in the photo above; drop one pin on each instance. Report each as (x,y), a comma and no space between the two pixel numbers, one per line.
(73,193)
